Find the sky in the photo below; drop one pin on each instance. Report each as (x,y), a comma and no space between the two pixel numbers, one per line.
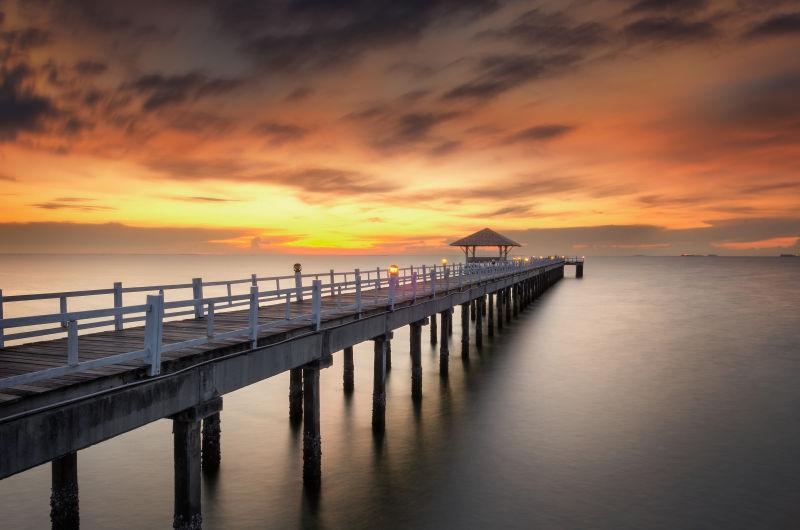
(371,126)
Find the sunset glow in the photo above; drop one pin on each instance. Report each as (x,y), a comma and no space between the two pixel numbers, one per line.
(612,128)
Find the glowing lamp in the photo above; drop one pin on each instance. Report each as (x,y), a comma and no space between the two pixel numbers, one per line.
(444,262)
(393,270)
(298,267)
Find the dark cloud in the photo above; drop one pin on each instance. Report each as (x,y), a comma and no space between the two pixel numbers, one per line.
(317,181)
(161,90)
(7,178)
(555,31)
(758,189)
(113,238)
(501,73)
(541,133)
(650,239)
(21,110)
(778,25)
(72,203)
(280,133)
(26,39)
(290,36)
(769,103)
(200,198)
(415,126)
(89,67)
(445,148)
(299,94)
(667,6)
(669,30)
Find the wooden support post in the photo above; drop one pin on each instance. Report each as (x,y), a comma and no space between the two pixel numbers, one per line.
(490,316)
(117,305)
(379,386)
(388,355)
(465,331)
(450,322)
(298,282)
(64,508)
(348,371)
(472,310)
(295,395)
(515,302)
(579,270)
(433,329)
(444,349)
(153,332)
(197,295)
(211,450)
(186,443)
(415,347)
(499,298)
(508,301)
(479,322)
(312,440)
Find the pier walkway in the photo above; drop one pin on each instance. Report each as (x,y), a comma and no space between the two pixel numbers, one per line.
(179,348)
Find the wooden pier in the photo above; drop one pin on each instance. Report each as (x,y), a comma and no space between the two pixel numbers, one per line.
(119,367)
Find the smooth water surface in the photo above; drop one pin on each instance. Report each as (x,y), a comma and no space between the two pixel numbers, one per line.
(653,393)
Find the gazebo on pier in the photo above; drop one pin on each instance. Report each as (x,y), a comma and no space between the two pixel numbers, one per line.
(485,238)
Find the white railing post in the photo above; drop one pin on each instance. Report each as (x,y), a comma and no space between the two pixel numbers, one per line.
(414,286)
(253,316)
(118,305)
(197,294)
(424,278)
(210,321)
(358,292)
(460,277)
(254,280)
(392,291)
(2,330)
(62,302)
(298,281)
(316,303)
(378,278)
(287,312)
(446,279)
(153,332)
(333,281)
(72,343)
(433,281)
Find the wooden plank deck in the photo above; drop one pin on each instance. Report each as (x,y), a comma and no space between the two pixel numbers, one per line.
(35,356)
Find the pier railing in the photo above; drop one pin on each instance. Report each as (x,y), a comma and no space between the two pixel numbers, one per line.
(351,291)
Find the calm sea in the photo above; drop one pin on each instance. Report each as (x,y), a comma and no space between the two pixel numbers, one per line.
(653,393)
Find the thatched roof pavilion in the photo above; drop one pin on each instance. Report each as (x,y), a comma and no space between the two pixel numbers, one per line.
(485,238)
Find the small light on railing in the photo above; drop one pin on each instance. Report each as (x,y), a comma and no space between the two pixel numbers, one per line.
(583,257)
(444,262)
(298,267)
(527,260)
(393,270)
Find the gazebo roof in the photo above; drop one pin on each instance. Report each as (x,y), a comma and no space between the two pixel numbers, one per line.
(485,238)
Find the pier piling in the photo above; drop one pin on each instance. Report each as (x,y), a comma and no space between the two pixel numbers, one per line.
(444,348)
(211,450)
(464,331)
(296,395)
(433,329)
(415,348)
(348,370)
(490,316)
(379,385)
(312,439)
(186,444)
(64,509)
(479,322)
